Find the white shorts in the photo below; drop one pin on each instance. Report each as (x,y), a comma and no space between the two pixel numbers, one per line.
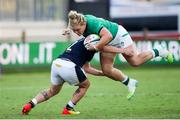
(122,38)
(66,71)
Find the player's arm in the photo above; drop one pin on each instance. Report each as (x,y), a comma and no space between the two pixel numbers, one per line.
(106,37)
(113,49)
(91,70)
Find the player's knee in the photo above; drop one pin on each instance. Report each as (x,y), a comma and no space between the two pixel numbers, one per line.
(135,63)
(85,84)
(53,92)
(107,71)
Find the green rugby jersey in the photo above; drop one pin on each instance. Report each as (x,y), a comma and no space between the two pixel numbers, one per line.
(94,25)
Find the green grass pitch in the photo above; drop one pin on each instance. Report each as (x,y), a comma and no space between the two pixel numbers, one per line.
(157,96)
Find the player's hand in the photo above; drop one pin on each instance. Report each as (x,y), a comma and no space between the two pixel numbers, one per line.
(66,32)
(91,47)
(101,73)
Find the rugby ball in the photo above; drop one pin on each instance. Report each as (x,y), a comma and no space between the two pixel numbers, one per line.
(92,39)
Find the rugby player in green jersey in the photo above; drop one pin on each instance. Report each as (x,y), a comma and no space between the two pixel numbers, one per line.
(117,36)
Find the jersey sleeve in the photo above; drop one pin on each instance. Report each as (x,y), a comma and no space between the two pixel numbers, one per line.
(95,27)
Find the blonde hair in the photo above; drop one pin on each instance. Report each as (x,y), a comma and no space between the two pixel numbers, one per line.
(75,18)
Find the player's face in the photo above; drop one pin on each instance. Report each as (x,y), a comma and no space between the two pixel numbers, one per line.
(79,29)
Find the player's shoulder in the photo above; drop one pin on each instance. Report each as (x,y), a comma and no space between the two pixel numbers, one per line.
(81,39)
(79,43)
(89,17)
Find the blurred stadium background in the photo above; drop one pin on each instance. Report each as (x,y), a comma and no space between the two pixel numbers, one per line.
(28,23)
(31,37)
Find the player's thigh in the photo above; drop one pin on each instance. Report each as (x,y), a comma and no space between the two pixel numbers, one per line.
(134,51)
(56,79)
(69,72)
(107,60)
(74,75)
